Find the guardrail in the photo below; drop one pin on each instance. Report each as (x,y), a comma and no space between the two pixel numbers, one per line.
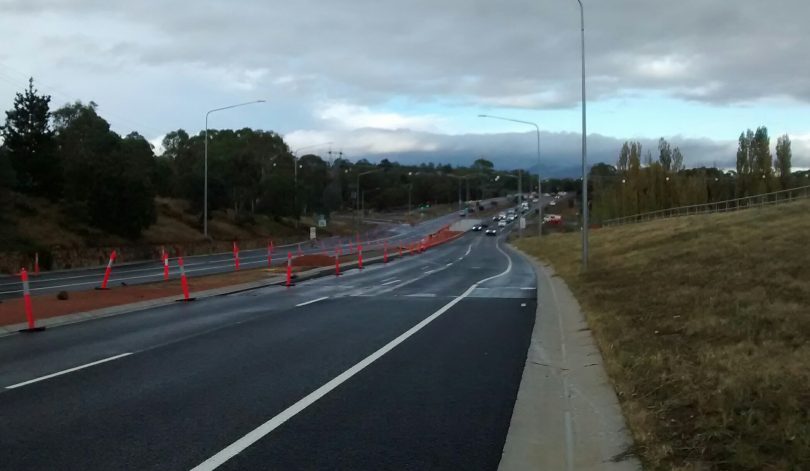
(746,202)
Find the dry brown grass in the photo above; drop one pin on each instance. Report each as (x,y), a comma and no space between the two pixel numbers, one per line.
(704,323)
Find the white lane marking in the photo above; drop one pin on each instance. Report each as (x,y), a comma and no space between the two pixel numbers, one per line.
(390,283)
(262,430)
(528,288)
(312,301)
(421,295)
(468,250)
(426,266)
(387,279)
(449,264)
(430,272)
(69,370)
(460,259)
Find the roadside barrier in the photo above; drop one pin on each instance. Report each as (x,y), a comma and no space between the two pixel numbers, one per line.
(29,311)
(235,256)
(183,280)
(107,271)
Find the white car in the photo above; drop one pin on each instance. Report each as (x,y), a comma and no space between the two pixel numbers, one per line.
(502,223)
(553,203)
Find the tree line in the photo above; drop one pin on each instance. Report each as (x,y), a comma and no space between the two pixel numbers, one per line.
(640,182)
(72,157)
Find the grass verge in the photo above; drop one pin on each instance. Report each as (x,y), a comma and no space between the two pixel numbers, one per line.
(704,324)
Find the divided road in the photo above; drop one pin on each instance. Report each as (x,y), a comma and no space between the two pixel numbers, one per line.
(199,265)
(410,365)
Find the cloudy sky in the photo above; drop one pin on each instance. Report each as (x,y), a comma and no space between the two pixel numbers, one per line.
(406,79)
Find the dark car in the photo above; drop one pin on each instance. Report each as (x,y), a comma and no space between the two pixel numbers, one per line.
(477,227)
(491,232)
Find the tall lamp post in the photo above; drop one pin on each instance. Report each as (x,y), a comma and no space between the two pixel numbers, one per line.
(295,175)
(359,215)
(539,181)
(584,149)
(205,164)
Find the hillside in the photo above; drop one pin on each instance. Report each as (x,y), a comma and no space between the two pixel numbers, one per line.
(703,323)
(34,224)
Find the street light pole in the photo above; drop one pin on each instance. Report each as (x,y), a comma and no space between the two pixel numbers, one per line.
(295,175)
(205,161)
(539,179)
(584,149)
(359,216)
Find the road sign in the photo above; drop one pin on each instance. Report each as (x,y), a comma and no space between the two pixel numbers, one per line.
(312,233)
(321,222)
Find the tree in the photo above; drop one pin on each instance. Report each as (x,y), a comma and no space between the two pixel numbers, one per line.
(665,155)
(624,157)
(677,160)
(28,139)
(108,180)
(783,160)
(482,165)
(762,168)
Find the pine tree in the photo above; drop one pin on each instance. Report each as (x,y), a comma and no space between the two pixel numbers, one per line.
(28,139)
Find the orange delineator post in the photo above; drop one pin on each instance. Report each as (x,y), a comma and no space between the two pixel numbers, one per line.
(183,279)
(400,250)
(337,263)
(359,257)
(289,269)
(165,266)
(36,263)
(29,312)
(299,250)
(235,256)
(385,253)
(270,254)
(108,270)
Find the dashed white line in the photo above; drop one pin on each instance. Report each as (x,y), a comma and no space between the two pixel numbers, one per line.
(528,288)
(312,301)
(390,283)
(69,370)
(469,249)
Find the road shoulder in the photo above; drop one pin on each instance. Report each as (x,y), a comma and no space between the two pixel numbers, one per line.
(566,415)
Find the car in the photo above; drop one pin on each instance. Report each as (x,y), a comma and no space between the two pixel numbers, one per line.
(501,216)
(502,223)
(462,213)
(496,218)
(484,225)
(491,232)
(553,203)
(477,227)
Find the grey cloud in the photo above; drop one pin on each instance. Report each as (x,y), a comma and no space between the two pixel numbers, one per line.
(485,51)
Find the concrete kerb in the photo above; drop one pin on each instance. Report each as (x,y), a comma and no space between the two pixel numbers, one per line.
(168,300)
(566,415)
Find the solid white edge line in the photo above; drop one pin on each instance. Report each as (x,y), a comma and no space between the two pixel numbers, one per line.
(262,430)
(312,301)
(69,370)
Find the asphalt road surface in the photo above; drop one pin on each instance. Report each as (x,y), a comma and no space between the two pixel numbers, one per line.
(152,271)
(410,365)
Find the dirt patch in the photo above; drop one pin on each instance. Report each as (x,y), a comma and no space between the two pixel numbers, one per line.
(47,305)
(313,261)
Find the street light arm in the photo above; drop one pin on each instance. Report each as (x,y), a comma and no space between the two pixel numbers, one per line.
(510,119)
(233,106)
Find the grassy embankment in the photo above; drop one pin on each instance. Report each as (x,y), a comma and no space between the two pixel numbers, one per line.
(704,323)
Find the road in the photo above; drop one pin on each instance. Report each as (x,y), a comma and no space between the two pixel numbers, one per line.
(410,365)
(152,271)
